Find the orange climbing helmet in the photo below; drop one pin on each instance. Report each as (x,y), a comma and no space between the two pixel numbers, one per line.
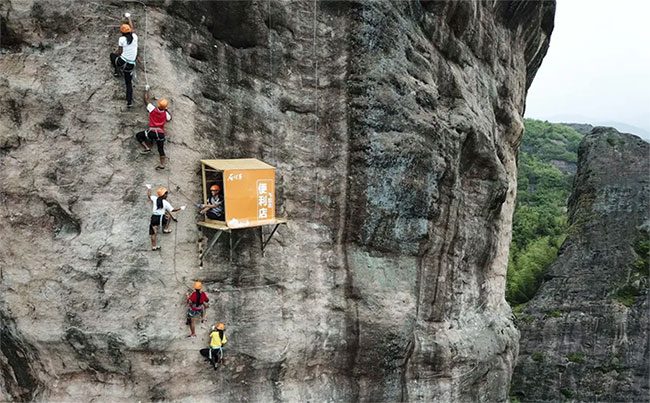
(215,187)
(220,326)
(161,191)
(125,28)
(198,285)
(162,104)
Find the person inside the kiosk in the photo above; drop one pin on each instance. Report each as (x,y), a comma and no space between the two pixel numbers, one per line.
(214,208)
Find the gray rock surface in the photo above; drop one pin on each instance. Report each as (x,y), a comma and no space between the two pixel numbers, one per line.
(585,334)
(394,127)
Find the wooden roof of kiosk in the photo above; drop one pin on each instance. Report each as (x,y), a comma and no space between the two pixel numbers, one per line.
(248,195)
(241,163)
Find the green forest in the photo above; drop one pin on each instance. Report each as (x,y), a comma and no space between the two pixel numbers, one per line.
(547,162)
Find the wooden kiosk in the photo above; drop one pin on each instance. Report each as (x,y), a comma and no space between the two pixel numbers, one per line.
(248,194)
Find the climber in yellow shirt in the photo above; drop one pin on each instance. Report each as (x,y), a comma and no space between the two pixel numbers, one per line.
(217,341)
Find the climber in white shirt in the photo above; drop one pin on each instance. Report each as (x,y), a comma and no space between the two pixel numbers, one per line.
(123,60)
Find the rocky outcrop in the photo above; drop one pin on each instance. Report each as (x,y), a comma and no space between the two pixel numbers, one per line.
(585,334)
(582,128)
(394,127)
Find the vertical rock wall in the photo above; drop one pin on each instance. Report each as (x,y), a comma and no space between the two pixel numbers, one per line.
(585,334)
(394,127)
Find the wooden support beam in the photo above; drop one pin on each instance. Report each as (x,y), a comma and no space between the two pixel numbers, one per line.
(220,227)
(214,240)
(264,243)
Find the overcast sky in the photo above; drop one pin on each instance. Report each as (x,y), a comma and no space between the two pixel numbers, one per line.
(597,68)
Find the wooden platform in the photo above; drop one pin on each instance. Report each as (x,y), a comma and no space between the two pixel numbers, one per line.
(218,225)
(222,226)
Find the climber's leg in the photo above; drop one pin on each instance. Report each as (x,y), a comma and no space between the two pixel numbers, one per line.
(114,57)
(152,231)
(192,327)
(128,81)
(141,137)
(160,143)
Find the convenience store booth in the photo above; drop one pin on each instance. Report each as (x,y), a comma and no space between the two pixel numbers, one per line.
(248,194)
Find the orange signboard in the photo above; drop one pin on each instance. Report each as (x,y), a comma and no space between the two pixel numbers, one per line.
(248,190)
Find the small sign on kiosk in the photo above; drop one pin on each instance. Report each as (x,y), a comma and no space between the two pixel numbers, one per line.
(247,191)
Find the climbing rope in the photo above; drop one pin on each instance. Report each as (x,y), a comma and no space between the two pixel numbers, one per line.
(179,191)
(171,183)
(315,67)
(146,77)
(272,145)
(175,233)
(270,47)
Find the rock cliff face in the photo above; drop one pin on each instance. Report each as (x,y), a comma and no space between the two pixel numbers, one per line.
(394,127)
(585,334)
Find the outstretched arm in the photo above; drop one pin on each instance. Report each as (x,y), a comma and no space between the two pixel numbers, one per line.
(169,212)
(207,207)
(128,17)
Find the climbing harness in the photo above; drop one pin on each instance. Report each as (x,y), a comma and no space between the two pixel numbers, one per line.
(158,136)
(123,66)
(219,358)
(127,61)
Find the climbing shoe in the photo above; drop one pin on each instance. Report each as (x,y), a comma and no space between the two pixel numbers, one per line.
(155,247)
(147,151)
(129,105)
(160,167)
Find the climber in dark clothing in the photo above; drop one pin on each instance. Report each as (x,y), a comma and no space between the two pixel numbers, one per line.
(214,208)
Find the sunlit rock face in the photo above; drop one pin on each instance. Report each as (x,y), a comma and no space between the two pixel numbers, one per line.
(585,334)
(394,128)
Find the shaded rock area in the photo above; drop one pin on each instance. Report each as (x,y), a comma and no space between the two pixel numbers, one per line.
(19,363)
(394,128)
(585,334)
